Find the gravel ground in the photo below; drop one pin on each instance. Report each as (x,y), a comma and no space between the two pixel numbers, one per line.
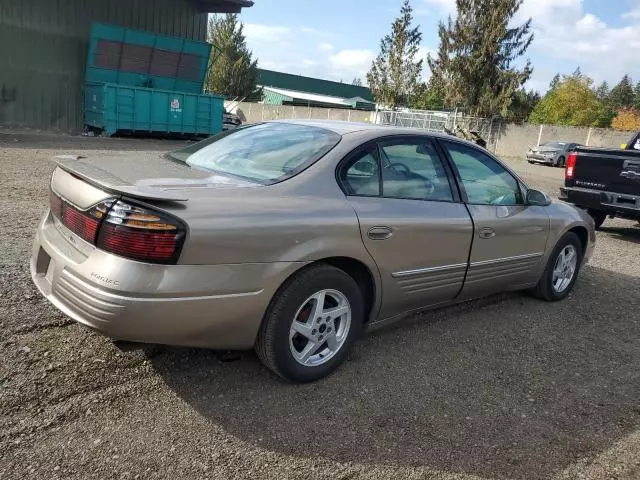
(505,387)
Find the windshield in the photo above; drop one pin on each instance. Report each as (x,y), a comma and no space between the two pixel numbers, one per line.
(554,144)
(264,153)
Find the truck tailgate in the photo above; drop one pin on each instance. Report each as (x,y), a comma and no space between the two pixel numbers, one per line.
(608,170)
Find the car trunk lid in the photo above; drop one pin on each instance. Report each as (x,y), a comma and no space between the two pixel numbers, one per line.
(135,175)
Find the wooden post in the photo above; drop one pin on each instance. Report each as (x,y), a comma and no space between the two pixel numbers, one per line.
(588,137)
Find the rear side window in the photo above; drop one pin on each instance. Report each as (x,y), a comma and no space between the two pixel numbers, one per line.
(264,153)
(412,169)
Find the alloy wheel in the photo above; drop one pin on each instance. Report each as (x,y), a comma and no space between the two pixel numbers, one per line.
(320,327)
(565,268)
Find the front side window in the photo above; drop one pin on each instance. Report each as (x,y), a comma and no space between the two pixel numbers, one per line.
(412,169)
(485,181)
(264,153)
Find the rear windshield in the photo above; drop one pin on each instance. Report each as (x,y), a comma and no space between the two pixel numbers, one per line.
(264,153)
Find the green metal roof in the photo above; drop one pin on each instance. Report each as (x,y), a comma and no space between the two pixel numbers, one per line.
(222,6)
(288,81)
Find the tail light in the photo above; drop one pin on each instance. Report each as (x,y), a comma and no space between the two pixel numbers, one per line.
(83,223)
(142,234)
(124,229)
(571,166)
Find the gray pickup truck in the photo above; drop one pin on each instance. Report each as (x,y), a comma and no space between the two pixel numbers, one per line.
(605,182)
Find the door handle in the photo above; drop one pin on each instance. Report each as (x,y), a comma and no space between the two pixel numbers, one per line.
(380,233)
(487,232)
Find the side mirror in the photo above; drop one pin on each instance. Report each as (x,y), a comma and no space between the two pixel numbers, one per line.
(536,197)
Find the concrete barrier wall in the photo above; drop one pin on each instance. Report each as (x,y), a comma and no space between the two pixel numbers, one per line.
(514,140)
(257,112)
(507,140)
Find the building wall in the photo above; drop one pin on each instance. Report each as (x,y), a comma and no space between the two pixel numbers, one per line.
(43,50)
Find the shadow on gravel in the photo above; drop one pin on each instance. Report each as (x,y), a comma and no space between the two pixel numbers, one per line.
(77,142)
(628,234)
(508,387)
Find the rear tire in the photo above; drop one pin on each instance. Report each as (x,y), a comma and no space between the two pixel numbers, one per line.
(598,218)
(555,283)
(561,162)
(294,307)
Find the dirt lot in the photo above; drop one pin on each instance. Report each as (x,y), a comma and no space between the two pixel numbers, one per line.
(506,387)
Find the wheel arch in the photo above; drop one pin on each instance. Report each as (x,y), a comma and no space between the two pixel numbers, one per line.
(367,280)
(583,235)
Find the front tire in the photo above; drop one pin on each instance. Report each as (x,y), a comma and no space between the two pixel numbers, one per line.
(311,324)
(561,162)
(561,271)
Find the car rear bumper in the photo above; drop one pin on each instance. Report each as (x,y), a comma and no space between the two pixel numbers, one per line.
(213,306)
(618,204)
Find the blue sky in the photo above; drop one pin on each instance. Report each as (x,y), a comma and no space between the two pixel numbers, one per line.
(337,39)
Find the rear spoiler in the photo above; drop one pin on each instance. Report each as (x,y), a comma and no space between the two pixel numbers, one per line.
(108,182)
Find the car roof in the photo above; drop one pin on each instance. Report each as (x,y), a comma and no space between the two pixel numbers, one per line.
(344,128)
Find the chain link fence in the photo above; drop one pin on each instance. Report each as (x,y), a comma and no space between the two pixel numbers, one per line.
(441,122)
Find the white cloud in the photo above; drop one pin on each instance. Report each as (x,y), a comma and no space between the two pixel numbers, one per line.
(443,6)
(325,47)
(256,32)
(358,61)
(568,36)
(632,14)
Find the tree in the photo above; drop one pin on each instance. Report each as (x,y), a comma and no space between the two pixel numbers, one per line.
(636,92)
(607,113)
(628,119)
(357,81)
(572,102)
(602,92)
(522,105)
(395,73)
(233,72)
(622,95)
(555,81)
(429,96)
(477,56)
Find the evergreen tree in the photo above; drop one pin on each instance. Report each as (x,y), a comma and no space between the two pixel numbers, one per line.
(607,114)
(622,95)
(636,92)
(395,73)
(233,73)
(477,55)
(555,81)
(522,105)
(602,92)
(357,81)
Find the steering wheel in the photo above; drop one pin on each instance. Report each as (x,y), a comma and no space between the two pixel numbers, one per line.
(401,168)
(406,171)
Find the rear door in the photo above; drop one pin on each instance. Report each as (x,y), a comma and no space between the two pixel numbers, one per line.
(510,237)
(411,219)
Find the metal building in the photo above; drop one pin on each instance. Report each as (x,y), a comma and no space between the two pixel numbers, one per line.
(43,50)
(287,89)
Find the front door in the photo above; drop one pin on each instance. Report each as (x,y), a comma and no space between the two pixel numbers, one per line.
(412,223)
(510,237)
